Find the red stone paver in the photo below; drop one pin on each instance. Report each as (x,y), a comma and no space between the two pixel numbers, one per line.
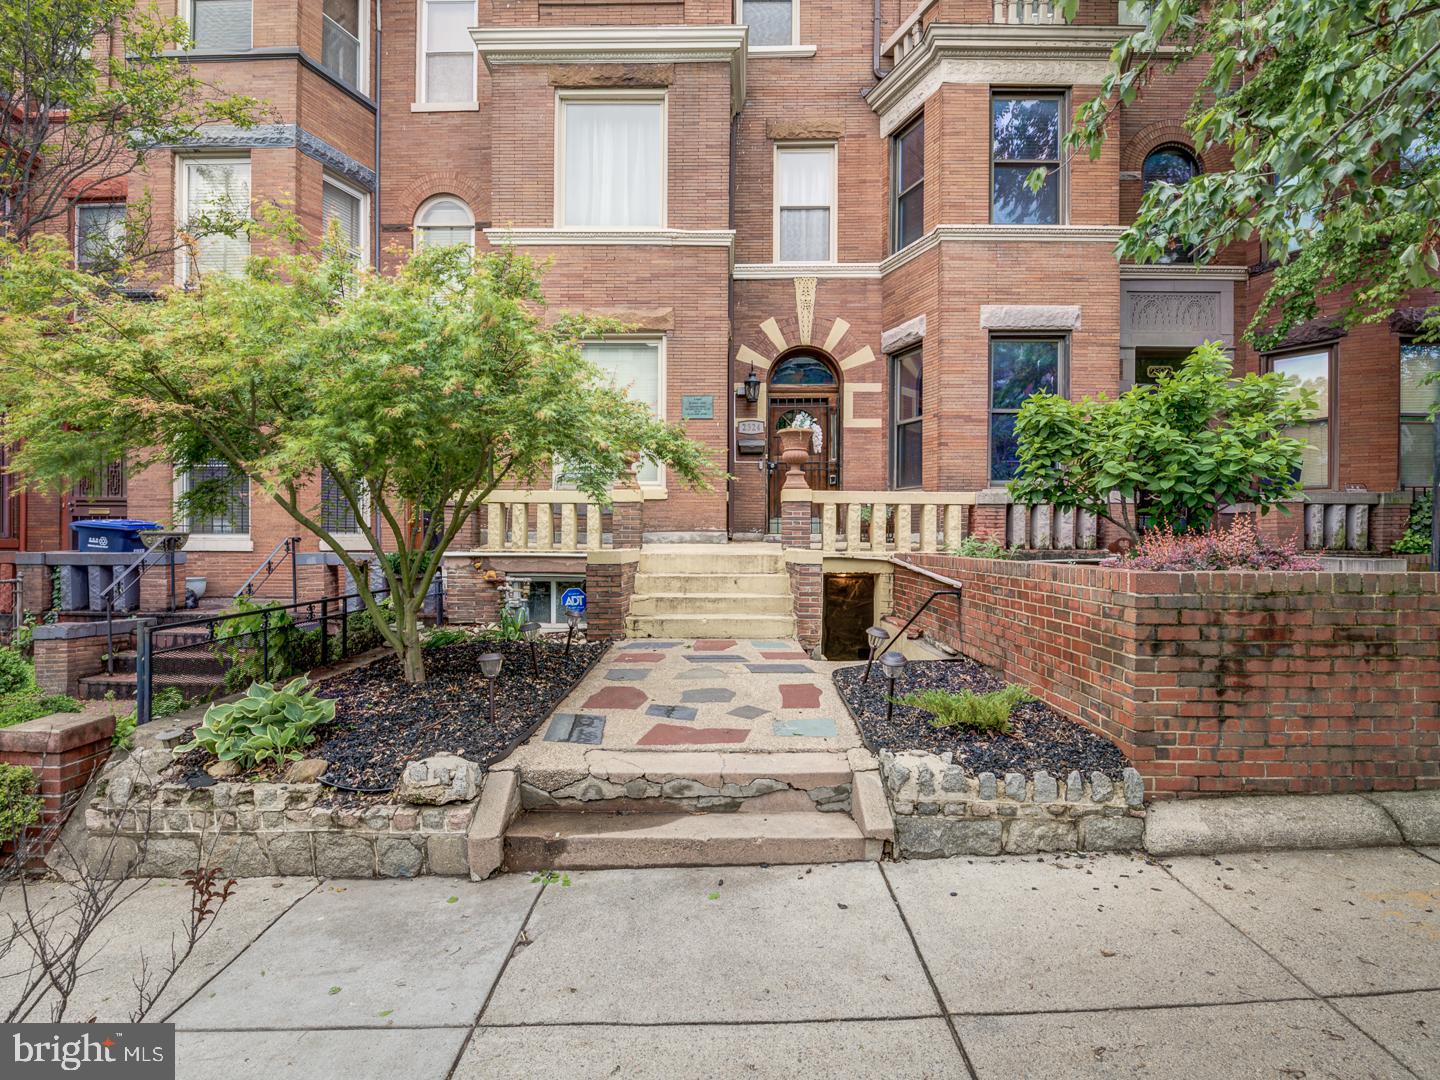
(674,734)
(785,655)
(714,644)
(642,657)
(799,696)
(616,697)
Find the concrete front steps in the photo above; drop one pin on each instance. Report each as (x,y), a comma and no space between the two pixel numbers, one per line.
(698,808)
(711,591)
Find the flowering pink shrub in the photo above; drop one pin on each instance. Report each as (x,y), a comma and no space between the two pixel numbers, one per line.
(1240,547)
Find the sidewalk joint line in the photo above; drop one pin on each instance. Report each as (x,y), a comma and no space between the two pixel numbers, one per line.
(925,967)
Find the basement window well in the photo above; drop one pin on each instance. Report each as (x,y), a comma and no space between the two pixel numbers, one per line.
(849,609)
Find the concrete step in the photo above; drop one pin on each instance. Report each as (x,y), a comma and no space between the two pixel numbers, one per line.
(708,603)
(749,584)
(804,770)
(187,661)
(752,559)
(756,627)
(122,685)
(565,841)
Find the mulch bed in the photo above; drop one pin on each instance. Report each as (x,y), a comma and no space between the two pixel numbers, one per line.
(382,722)
(1041,738)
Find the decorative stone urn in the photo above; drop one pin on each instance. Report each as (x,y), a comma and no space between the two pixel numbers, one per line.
(794,452)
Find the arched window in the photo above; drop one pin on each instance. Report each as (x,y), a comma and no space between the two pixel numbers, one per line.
(1176,166)
(803,369)
(443,221)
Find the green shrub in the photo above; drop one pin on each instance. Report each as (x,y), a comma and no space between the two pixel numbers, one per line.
(507,629)
(16,674)
(19,803)
(265,725)
(438,639)
(1416,540)
(31,705)
(982,547)
(965,708)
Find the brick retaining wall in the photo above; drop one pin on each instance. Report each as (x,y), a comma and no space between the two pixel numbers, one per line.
(64,750)
(1213,682)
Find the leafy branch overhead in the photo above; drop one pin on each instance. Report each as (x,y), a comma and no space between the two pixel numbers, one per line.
(1169,455)
(1327,116)
(418,393)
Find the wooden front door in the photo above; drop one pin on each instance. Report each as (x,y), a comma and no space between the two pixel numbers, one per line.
(817,411)
(99,496)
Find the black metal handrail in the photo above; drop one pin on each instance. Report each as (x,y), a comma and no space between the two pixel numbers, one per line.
(321,612)
(171,542)
(290,546)
(918,612)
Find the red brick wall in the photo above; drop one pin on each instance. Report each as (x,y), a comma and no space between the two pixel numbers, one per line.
(64,751)
(609,587)
(1215,683)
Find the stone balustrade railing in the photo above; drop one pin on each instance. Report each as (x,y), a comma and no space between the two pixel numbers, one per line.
(524,520)
(1044,527)
(879,522)
(1337,524)
(1027,11)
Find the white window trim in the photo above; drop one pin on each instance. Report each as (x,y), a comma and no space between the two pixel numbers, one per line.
(207,541)
(363,259)
(415,227)
(813,145)
(186,11)
(350,541)
(420,104)
(652,490)
(77,207)
(569,581)
(562,97)
(182,198)
(790,48)
(362,63)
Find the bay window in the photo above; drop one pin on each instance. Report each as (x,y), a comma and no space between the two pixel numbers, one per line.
(1019,367)
(907,184)
(345,207)
(340,48)
(1311,371)
(906,418)
(1025,135)
(447,54)
(215,192)
(805,203)
(223,25)
(611,170)
(1417,399)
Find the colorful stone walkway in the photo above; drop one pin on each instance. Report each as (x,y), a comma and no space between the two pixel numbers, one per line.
(747,695)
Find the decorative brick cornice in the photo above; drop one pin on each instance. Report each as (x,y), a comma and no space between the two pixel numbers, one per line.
(1012,234)
(280,136)
(507,45)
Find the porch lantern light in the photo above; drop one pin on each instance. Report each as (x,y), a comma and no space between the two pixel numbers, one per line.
(531,631)
(875,639)
(891,663)
(752,387)
(573,618)
(490,664)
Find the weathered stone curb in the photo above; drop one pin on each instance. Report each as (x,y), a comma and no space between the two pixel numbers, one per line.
(1271,822)
(942,812)
(1416,813)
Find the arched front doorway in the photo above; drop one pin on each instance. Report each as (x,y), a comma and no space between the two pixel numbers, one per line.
(803,390)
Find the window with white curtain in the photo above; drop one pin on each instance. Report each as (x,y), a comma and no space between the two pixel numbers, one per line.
(444,221)
(346,207)
(215,191)
(99,232)
(637,367)
(447,58)
(220,24)
(1418,364)
(340,48)
(612,168)
(805,203)
(772,22)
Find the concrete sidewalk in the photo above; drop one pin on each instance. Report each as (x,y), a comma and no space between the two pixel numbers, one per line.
(1278,965)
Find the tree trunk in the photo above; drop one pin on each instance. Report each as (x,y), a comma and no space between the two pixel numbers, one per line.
(412,657)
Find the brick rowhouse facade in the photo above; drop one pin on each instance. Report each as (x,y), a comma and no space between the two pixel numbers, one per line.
(706,284)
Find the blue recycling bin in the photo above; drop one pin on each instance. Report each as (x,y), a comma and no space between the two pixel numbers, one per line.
(111,534)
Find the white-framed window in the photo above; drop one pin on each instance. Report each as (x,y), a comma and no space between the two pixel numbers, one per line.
(213,190)
(1312,371)
(225,509)
(348,207)
(1418,363)
(638,365)
(99,228)
(805,197)
(444,221)
(610,159)
(342,41)
(222,25)
(446,60)
(773,23)
(544,599)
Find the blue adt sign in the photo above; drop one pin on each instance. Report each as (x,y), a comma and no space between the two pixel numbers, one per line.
(573,600)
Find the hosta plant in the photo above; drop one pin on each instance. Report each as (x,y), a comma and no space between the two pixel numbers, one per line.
(265,725)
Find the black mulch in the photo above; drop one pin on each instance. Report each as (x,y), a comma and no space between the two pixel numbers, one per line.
(382,722)
(1040,737)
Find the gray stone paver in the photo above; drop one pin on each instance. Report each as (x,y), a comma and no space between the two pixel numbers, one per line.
(397,1054)
(1405,1024)
(353,950)
(1346,922)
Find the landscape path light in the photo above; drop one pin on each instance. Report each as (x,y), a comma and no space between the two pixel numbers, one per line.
(876,637)
(573,618)
(891,664)
(531,630)
(490,664)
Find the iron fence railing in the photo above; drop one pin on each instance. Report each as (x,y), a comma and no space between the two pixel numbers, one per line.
(216,654)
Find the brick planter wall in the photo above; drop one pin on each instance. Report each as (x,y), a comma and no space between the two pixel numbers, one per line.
(1213,682)
(609,586)
(64,750)
(66,652)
